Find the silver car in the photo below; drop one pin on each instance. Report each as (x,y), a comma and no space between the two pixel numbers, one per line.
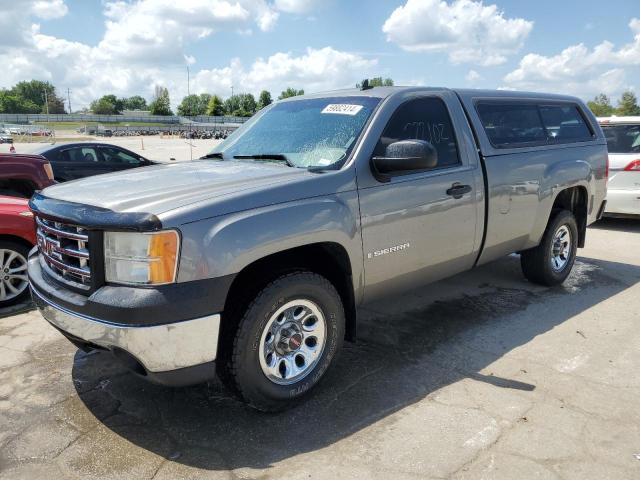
(623,140)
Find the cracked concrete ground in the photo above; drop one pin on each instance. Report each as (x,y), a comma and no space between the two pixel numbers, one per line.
(481,376)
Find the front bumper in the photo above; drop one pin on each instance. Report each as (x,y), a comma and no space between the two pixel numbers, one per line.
(623,202)
(181,352)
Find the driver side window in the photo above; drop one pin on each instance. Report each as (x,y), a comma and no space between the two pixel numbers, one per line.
(422,119)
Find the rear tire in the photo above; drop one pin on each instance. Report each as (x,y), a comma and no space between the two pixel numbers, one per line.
(286,339)
(550,263)
(14,286)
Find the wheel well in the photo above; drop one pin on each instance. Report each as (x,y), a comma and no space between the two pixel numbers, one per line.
(13,238)
(327,259)
(24,187)
(575,200)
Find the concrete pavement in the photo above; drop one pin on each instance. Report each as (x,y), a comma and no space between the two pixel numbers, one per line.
(481,376)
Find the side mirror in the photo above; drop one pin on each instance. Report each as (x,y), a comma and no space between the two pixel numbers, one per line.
(406,155)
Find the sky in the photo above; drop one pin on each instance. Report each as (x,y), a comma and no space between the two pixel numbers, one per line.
(127,47)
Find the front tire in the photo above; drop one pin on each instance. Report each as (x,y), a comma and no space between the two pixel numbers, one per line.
(550,263)
(286,339)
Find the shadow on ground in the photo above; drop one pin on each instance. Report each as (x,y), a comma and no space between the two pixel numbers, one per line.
(629,224)
(408,348)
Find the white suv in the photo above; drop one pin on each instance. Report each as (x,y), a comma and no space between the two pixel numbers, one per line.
(623,140)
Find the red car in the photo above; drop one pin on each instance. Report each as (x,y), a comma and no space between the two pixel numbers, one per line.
(17,237)
(21,175)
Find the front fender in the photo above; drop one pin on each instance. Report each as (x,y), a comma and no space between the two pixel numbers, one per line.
(225,245)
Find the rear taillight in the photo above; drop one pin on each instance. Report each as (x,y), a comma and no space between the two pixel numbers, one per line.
(48,170)
(633,166)
(606,169)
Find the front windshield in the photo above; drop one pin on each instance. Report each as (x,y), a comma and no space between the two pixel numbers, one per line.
(317,132)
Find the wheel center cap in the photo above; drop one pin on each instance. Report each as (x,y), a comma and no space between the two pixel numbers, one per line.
(295,341)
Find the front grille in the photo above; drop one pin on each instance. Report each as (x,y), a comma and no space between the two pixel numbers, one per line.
(64,248)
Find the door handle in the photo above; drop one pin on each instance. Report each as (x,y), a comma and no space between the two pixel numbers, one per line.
(457,190)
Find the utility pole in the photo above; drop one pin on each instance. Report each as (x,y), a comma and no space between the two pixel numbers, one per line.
(191,112)
(46,102)
(232,90)
(69,99)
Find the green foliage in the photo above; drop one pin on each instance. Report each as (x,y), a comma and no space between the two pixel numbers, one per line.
(216,106)
(161,104)
(290,92)
(628,105)
(12,103)
(241,105)
(135,103)
(264,99)
(103,106)
(29,97)
(192,105)
(601,106)
(378,82)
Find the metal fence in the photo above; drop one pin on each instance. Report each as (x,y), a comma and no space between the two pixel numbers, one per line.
(24,118)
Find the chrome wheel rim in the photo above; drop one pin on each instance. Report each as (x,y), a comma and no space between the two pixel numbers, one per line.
(292,342)
(13,274)
(560,248)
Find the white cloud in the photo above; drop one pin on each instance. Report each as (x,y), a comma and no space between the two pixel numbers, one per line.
(315,70)
(578,69)
(296,6)
(473,76)
(146,43)
(468,30)
(47,9)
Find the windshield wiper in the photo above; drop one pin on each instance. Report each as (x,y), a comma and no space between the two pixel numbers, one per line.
(214,155)
(267,156)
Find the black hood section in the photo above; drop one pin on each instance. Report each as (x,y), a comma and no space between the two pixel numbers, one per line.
(92,217)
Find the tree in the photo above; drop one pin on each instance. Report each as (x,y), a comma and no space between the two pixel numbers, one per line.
(241,105)
(290,92)
(378,82)
(34,91)
(12,103)
(194,105)
(264,99)
(108,105)
(216,106)
(601,106)
(161,104)
(103,106)
(628,105)
(135,103)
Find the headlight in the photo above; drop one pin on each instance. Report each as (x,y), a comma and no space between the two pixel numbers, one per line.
(141,258)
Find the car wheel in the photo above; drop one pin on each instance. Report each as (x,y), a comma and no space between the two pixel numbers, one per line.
(550,263)
(14,284)
(285,341)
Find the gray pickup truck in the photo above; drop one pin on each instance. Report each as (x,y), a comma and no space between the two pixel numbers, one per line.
(251,262)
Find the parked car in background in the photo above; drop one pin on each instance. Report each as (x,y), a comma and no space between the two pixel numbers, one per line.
(17,237)
(71,161)
(623,140)
(23,174)
(5,136)
(252,261)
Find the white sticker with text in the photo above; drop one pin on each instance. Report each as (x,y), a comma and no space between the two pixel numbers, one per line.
(342,109)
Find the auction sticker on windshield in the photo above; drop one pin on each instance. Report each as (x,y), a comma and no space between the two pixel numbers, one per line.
(342,108)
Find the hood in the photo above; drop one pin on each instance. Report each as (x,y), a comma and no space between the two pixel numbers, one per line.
(161,188)
(13,204)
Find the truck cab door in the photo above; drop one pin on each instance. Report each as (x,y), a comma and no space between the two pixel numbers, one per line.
(420,226)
